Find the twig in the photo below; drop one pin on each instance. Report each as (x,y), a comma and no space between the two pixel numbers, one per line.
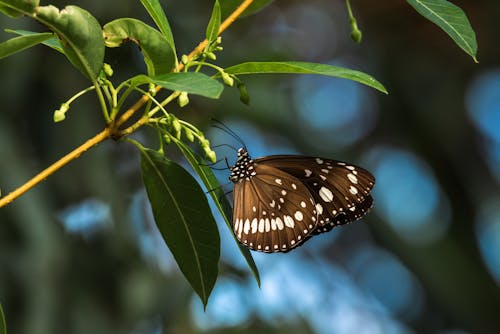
(112,129)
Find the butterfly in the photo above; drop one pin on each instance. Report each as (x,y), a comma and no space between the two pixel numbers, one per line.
(280,201)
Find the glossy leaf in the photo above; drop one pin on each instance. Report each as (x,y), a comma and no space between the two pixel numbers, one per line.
(52,42)
(158,15)
(214,23)
(15,8)
(183,216)
(20,43)
(219,197)
(451,19)
(3,324)
(305,68)
(158,54)
(191,82)
(80,35)
(228,6)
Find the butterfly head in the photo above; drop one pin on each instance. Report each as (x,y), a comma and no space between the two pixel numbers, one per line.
(243,167)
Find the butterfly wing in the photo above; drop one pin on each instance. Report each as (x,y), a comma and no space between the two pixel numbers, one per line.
(341,191)
(273,210)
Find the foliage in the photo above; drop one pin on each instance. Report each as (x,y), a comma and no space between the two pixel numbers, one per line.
(180,207)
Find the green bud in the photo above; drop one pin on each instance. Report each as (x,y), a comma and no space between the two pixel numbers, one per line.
(211,55)
(167,139)
(107,69)
(176,125)
(151,89)
(218,48)
(184,59)
(219,40)
(211,156)
(189,134)
(356,34)
(183,99)
(228,80)
(244,97)
(60,114)
(205,144)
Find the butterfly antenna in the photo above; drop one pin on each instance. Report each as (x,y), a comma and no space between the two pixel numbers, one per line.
(223,127)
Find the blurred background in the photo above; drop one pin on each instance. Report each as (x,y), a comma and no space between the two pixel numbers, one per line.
(80,253)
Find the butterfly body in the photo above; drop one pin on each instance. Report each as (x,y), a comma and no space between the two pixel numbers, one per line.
(280,201)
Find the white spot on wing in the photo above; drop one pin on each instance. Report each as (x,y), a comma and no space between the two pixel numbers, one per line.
(352,178)
(303,204)
(289,221)
(254,226)
(319,207)
(353,190)
(308,172)
(246,228)
(298,215)
(325,194)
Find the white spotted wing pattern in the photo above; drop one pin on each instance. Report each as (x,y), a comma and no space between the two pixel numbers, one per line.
(282,200)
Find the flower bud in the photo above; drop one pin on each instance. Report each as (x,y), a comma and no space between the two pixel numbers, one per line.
(183,99)
(60,114)
(244,97)
(184,59)
(228,80)
(211,156)
(189,134)
(107,70)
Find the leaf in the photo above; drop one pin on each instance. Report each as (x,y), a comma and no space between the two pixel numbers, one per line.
(3,324)
(16,8)
(228,6)
(451,19)
(219,197)
(191,82)
(52,42)
(156,49)
(305,68)
(80,35)
(214,23)
(20,43)
(158,15)
(183,216)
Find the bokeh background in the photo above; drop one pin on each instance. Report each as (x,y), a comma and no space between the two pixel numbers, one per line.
(80,253)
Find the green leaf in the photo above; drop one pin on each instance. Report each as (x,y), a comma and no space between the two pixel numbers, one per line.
(80,35)
(228,6)
(451,19)
(20,43)
(214,23)
(3,324)
(52,42)
(158,54)
(158,15)
(305,68)
(183,216)
(219,197)
(15,8)
(191,82)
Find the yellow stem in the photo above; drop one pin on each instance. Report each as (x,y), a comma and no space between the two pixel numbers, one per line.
(104,134)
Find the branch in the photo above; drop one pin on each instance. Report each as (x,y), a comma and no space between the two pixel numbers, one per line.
(113,127)
(101,136)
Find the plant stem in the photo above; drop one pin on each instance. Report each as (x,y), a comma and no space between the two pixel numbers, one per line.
(101,136)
